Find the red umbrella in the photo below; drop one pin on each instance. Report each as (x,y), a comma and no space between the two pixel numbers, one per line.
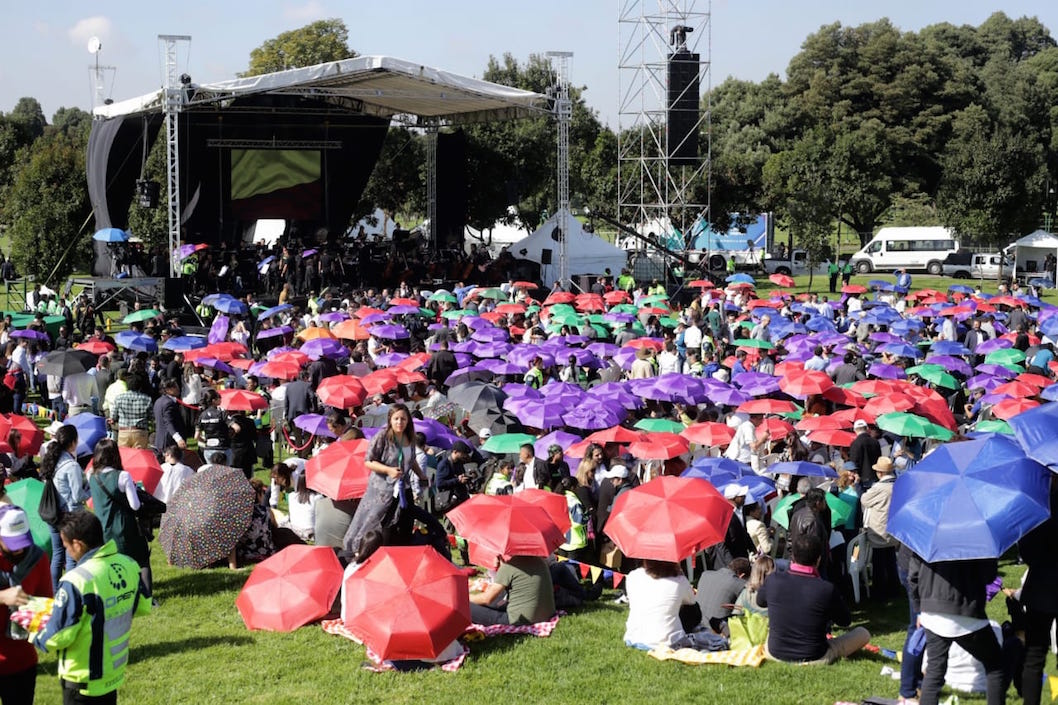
(616,297)
(853,289)
(142,466)
(295,356)
(280,369)
(845,397)
(1009,408)
(407,602)
(380,381)
(709,433)
(820,423)
(848,417)
(554,504)
(888,403)
(559,297)
(875,386)
(805,383)
(32,436)
(767,406)
(96,347)
(702,284)
(512,309)
(782,280)
(408,376)
(776,427)
(669,518)
(506,526)
(414,362)
(657,345)
(1016,388)
(338,470)
(290,589)
(615,434)
(1034,379)
(842,439)
(341,391)
(524,285)
(241,400)
(659,445)
(403,301)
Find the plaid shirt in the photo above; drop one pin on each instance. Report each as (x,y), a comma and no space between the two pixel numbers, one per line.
(131,410)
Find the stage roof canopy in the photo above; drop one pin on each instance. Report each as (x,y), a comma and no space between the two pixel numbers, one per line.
(381,86)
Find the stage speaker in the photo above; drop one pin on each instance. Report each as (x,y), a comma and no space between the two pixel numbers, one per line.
(452,193)
(683,108)
(545,256)
(173,295)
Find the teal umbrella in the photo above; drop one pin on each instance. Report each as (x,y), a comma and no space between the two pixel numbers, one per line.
(507,442)
(26,494)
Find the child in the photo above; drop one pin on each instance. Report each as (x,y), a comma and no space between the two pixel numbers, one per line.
(174,472)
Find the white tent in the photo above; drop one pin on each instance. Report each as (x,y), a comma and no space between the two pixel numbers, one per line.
(587,253)
(1030,252)
(498,236)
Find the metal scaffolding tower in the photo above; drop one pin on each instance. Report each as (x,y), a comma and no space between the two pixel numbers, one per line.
(99,74)
(175,98)
(657,191)
(431,182)
(563,108)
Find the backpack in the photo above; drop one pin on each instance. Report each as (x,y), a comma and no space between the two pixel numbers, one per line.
(50,507)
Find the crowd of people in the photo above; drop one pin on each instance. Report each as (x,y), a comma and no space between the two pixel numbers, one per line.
(438,373)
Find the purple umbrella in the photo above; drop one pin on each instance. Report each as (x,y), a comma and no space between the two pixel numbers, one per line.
(992,398)
(468,374)
(436,432)
(273,332)
(334,316)
(676,387)
(951,363)
(996,370)
(219,330)
(387,360)
(327,347)
(185,251)
(500,367)
(560,437)
(464,347)
(375,318)
(567,392)
(615,393)
(992,345)
(583,357)
(390,332)
(490,335)
(214,364)
(517,389)
(524,354)
(721,393)
(538,413)
(315,424)
(884,371)
(624,358)
(309,253)
(30,334)
(402,309)
(983,381)
(464,360)
(885,338)
(274,352)
(494,349)
(594,417)
(602,350)
(757,383)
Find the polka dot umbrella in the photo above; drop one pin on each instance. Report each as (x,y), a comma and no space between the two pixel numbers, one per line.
(206,517)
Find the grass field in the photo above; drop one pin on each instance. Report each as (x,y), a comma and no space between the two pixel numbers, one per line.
(195,648)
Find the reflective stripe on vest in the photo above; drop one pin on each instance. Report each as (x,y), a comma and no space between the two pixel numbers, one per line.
(577,536)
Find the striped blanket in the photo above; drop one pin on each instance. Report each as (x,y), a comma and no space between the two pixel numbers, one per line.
(377,664)
(753,656)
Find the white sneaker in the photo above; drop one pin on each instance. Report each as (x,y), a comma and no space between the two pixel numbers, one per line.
(622,599)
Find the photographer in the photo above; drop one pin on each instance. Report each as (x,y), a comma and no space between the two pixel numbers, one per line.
(451,480)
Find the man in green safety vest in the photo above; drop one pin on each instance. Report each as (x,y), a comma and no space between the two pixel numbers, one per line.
(91,621)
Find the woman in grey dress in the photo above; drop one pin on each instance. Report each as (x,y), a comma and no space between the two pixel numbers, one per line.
(391,459)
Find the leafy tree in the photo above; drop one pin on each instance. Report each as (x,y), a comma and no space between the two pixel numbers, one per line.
(47,206)
(152,224)
(398,180)
(71,120)
(30,115)
(316,43)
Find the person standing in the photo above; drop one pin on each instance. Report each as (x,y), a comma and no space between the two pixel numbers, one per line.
(864,451)
(115,501)
(168,420)
(1039,596)
(131,413)
(91,622)
(833,272)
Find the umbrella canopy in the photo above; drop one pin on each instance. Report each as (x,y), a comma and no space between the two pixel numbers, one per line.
(782,280)
(131,340)
(840,510)
(1035,433)
(804,383)
(63,363)
(142,465)
(241,400)
(341,391)
(110,235)
(316,424)
(290,589)
(338,471)
(506,526)
(26,494)
(90,430)
(968,500)
(669,518)
(800,467)
(32,435)
(552,503)
(407,602)
(709,433)
(507,443)
(476,396)
(905,424)
(659,445)
(206,517)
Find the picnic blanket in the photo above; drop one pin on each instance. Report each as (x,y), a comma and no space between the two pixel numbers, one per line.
(543,629)
(753,656)
(377,664)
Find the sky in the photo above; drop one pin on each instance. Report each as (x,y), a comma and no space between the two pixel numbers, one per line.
(43,53)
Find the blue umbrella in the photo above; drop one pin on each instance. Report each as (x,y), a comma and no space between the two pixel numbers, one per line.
(231,305)
(183,343)
(210,299)
(131,340)
(902,350)
(905,326)
(801,467)
(949,347)
(90,430)
(1034,431)
(969,500)
(740,278)
(269,312)
(880,285)
(710,466)
(111,235)
(961,289)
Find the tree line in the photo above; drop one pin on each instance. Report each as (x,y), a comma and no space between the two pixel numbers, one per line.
(952,125)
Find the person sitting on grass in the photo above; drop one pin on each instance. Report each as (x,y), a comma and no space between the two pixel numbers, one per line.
(801,606)
(530,593)
(660,606)
(763,566)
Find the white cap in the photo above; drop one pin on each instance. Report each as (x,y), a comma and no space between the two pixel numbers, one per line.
(484,433)
(618,471)
(735,490)
(52,429)
(14,529)
(860,423)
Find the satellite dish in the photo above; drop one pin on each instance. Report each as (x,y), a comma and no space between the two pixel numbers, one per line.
(94,45)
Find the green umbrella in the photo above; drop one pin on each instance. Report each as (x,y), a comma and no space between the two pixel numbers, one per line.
(601,331)
(840,511)
(456,313)
(532,309)
(562,308)
(995,426)
(751,343)
(905,424)
(624,308)
(493,293)
(667,322)
(142,315)
(566,319)
(654,299)
(935,374)
(667,425)
(26,494)
(747,324)
(796,414)
(1007,357)
(443,296)
(507,442)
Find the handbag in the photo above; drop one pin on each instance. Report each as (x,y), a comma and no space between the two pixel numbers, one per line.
(50,507)
(748,629)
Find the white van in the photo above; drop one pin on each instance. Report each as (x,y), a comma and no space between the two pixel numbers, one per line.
(906,248)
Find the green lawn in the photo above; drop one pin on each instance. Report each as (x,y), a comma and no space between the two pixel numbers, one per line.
(194,648)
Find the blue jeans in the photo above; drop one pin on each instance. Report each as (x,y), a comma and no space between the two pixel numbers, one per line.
(60,562)
(910,666)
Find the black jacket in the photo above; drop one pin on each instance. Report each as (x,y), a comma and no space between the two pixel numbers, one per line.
(951,587)
(1040,591)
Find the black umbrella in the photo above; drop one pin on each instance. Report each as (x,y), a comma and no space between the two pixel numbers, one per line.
(496,420)
(206,517)
(62,363)
(477,396)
